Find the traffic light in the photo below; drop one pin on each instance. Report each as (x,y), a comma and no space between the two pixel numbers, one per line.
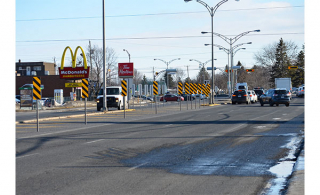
(227,71)
(157,73)
(292,67)
(250,70)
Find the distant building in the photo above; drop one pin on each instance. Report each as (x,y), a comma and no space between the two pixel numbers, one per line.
(35,68)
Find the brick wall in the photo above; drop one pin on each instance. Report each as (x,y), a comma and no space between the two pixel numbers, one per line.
(50,82)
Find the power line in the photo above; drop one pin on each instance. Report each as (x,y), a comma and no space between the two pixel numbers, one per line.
(144,38)
(157,14)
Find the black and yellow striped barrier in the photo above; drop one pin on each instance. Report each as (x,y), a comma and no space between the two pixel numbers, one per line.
(155,88)
(179,88)
(36,88)
(186,88)
(85,91)
(124,88)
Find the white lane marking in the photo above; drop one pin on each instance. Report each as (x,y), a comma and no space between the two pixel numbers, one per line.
(27,155)
(94,141)
(135,167)
(168,125)
(276,118)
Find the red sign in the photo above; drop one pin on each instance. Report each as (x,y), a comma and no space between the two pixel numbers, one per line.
(74,73)
(125,70)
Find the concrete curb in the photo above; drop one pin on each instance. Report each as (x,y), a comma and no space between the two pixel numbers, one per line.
(72,116)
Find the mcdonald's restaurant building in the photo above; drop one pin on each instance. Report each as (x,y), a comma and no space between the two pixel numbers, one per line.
(50,79)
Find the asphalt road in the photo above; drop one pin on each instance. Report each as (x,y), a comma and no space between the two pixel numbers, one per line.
(224,149)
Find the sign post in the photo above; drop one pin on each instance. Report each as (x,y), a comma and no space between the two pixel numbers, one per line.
(186,89)
(37,95)
(155,93)
(84,95)
(180,91)
(124,94)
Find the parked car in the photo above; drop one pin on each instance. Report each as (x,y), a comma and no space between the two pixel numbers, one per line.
(301,91)
(188,97)
(171,97)
(253,96)
(259,91)
(240,96)
(18,97)
(200,96)
(144,97)
(276,96)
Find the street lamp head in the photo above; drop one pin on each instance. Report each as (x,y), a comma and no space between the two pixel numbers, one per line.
(187,1)
(257,30)
(243,48)
(204,32)
(207,44)
(124,49)
(249,43)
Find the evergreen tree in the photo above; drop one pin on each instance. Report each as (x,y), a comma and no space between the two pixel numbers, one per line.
(297,75)
(280,67)
(202,75)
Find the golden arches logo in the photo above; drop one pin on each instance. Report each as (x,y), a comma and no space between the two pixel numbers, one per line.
(73,57)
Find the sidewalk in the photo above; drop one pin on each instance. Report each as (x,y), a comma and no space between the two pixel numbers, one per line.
(296,183)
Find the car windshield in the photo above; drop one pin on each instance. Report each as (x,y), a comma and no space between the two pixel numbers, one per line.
(280,91)
(258,91)
(110,91)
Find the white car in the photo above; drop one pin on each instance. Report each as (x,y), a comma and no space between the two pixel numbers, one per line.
(253,96)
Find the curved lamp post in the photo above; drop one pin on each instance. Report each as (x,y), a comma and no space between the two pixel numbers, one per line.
(212,11)
(231,41)
(201,64)
(167,63)
(127,53)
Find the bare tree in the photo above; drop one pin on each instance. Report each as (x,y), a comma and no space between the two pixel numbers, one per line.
(97,67)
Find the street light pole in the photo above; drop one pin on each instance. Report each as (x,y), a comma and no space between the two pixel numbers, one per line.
(201,64)
(212,11)
(104,59)
(127,53)
(231,41)
(167,63)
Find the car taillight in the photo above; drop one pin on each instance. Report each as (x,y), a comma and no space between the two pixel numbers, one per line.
(234,95)
(250,95)
(244,95)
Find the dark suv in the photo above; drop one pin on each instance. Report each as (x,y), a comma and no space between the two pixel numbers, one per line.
(275,96)
(240,96)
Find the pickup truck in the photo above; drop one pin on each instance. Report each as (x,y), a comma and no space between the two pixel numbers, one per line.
(114,98)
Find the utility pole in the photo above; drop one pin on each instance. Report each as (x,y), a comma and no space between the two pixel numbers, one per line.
(90,71)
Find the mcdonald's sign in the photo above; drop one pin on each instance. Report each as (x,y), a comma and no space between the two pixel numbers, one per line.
(74,72)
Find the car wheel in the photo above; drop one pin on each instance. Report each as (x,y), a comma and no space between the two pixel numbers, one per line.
(164,100)
(98,108)
(277,104)
(287,104)
(178,100)
(271,104)
(233,102)
(261,104)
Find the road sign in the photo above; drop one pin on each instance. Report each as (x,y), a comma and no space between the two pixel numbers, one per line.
(292,67)
(250,70)
(124,88)
(73,84)
(186,88)
(126,70)
(36,88)
(206,82)
(85,90)
(155,88)
(180,88)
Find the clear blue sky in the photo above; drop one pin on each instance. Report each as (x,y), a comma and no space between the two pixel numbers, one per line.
(45,28)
